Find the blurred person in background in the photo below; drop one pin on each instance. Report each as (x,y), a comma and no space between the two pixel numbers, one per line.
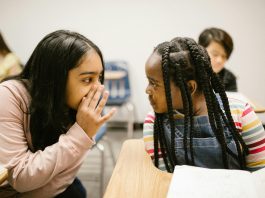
(219,46)
(9,62)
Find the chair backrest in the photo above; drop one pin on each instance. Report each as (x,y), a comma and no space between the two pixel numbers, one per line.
(101,132)
(117,82)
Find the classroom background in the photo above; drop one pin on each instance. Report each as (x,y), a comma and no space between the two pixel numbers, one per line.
(129,30)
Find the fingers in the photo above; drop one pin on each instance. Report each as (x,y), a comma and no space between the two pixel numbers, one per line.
(95,98)
(87,99)
(102,103)
(107,116)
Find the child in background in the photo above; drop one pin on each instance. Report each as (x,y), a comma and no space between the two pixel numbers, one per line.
(219,46)
(9,62)
(49,116)
(194,123)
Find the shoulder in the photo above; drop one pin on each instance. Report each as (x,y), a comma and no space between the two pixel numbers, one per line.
(150,118)
(228,74)
(13,92)
(14,86)
(236,102)
(240,109)
(149,124)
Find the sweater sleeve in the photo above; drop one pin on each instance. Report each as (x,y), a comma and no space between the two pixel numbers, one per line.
(252,132)
(148,137)
(30,171)
(254,136)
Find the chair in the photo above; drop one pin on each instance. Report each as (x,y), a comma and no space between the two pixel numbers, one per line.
(118,84)
(100,136)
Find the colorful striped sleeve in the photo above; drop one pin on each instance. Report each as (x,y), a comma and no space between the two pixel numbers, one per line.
(148,132)
(252,133)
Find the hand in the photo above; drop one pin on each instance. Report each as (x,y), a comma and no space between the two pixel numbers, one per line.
(89,110)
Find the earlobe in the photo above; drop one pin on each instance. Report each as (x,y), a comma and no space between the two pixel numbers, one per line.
(192,84)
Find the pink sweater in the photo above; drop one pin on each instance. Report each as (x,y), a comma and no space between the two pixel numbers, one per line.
(43,173)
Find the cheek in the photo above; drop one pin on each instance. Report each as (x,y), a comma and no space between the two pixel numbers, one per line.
(75,96)
(177,100)
(213,60)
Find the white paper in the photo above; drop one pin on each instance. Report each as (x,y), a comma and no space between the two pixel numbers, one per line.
(196,182)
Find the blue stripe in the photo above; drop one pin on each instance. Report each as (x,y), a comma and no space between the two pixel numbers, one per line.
(256,129)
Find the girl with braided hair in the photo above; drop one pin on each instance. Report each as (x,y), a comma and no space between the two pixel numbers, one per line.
(194,123)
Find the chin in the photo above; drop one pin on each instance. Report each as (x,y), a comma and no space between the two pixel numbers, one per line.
(159,111)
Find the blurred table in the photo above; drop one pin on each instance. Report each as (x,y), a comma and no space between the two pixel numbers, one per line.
(135,175)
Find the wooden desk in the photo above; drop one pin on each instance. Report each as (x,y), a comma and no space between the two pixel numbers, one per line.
(3,174)
(135,175)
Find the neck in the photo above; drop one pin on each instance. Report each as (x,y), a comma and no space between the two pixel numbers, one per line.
(199,104)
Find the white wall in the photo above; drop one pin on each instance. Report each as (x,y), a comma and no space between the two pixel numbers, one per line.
(129,30)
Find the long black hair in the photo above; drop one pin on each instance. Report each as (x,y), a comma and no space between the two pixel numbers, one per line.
(45,76)
(183,60)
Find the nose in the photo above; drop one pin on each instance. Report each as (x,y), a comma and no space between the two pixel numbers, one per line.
(97,83)
(148,91)
(220,59)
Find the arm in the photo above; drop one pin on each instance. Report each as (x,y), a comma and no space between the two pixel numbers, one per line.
(148,137)
(254,136)
(231,85)
(27,170)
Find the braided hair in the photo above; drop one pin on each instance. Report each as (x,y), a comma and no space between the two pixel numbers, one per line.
(184,60)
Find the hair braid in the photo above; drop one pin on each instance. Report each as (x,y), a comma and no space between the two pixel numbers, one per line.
(156,136)
(218,86)
(165,58)
(188,109)
(211,102)
(169,166)
(191,123)
(184,64)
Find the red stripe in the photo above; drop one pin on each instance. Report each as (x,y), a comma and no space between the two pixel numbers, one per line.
(247,111)
(151,116)
(257,150)
(238,124)
(148,121)
(256,143)
(159,156)
(151,151)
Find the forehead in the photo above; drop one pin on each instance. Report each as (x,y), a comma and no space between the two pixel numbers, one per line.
(90,62)
(215,46)
(153,67)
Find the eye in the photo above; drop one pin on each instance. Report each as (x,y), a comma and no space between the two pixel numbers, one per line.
(153,84)
(214,54)
(87,80)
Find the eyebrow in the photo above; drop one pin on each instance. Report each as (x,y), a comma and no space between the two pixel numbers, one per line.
(153,79)
(90,73)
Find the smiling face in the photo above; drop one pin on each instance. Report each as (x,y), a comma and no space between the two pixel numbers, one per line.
(81,78)
(156,89)
(218,56)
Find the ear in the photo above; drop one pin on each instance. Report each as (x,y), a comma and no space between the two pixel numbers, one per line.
(192,85)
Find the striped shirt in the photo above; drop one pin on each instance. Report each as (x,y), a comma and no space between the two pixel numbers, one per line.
(246,121)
